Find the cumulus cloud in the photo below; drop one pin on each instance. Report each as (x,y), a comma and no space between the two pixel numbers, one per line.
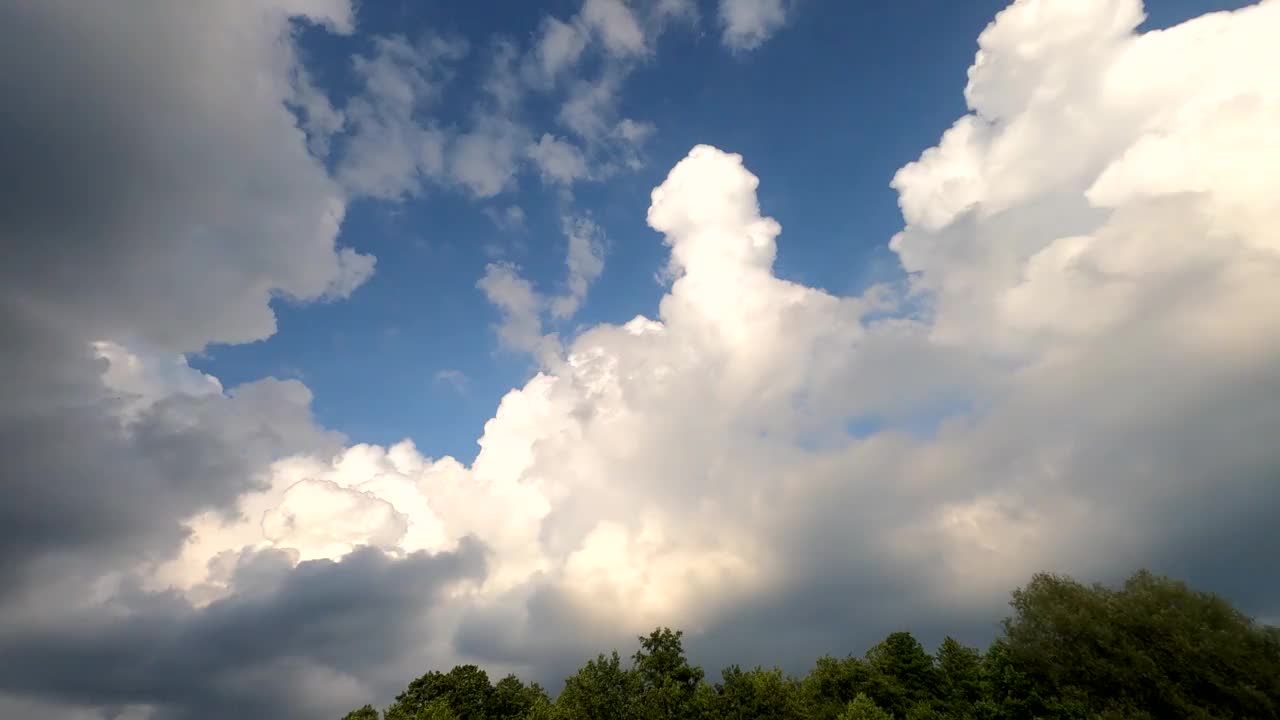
(259,652)
(1079,376)
(521,308)
(144,236)
(616,26)
(392,146)
(485,159)
(584,261)
(559,46)
(695,468)
(558,161)
(392,150)
(81,201)
(748,24)
(511,218)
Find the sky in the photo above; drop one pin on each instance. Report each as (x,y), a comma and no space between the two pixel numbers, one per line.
(346,341)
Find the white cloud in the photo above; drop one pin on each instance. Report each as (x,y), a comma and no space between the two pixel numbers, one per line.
(485,159)
(454,378)
(558,48)
(321,519)
(511,218)
(558,160)
(667,467)
(318,116)
(504,84)
(747,24)
(392,151)
(590,105)
(676,9)
(585,262)
(140,379)
(631,137)
(616,26)
(395,148)
(207,224)
(634,132)
(521,308)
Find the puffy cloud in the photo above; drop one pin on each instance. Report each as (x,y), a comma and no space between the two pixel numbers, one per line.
(1117,254)
(140,380)
(634,132)
(616,26)
(523,308)
(140,237)
(585,262)
(510,218)
(485,159)
(520,305)
(559,46)
(391,151)
(558,160)
(392,146)
(747,24)
(185,163)
(260,652)
(763,452)
(591,104)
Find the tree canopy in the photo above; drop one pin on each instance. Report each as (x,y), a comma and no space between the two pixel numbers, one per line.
(1149,650)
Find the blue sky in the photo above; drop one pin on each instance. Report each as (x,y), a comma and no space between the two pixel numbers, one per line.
(826,111)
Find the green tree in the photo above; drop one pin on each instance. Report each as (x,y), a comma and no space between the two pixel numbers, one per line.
(757,694)
(832,684)
(903,674)
(511,699)
(365,713)
(1153,646)
(863,708)
(666,681)
(1008,693)
(959,678)
(464,691)
(436,710)
(601,690)
(1150,650)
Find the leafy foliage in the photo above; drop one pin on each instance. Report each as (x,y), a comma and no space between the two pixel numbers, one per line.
(863,708)
(1149,650)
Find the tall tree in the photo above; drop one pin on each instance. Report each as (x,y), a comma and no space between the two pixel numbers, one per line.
(601,690)
(757,694)
(512,699)
(960,678)
(1153,646)
(666,681)
(903,674)
(465,691)
(833,683)
(864,708)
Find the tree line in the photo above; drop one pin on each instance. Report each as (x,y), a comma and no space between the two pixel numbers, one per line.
(1149,650)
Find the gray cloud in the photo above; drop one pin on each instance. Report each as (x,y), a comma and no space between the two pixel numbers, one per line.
(289,643)
(114,190)
(141,213)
